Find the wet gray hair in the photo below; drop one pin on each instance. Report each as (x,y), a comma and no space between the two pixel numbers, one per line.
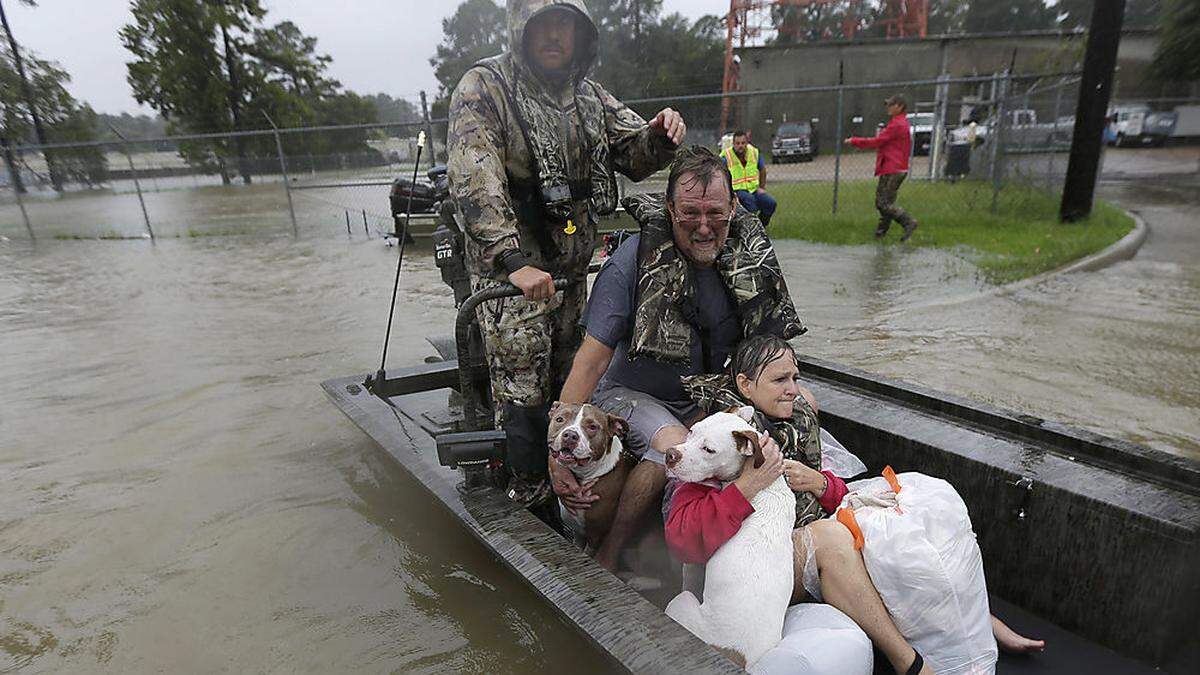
(700,164)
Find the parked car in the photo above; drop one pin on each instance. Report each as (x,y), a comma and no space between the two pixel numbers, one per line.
(794,141)
(427,192)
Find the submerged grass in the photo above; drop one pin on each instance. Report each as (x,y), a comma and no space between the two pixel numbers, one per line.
(1022,238)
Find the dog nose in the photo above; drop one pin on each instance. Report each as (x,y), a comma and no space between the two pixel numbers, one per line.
(570,437)
(673,457)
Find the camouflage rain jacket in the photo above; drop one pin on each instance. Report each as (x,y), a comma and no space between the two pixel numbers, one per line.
(526,156)
(799,437)
(662,327)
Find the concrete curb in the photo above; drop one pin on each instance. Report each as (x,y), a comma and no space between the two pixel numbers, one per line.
(1123,249)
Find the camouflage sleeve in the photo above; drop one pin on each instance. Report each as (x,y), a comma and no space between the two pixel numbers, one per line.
(478,181)
(637,152)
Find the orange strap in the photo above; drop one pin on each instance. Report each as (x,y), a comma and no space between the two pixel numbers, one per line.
(846,517)
(890,476)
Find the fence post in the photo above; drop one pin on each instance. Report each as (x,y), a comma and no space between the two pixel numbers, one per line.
(837,152)
(1054,129)
(428,130)
(17,185)
(136,184)
(998,140)
(287,184)
(938,142)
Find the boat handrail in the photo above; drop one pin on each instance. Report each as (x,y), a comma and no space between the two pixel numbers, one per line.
(462,338)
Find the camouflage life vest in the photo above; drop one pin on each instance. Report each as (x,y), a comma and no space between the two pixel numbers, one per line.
(799,437)
(540,120)
(665,300)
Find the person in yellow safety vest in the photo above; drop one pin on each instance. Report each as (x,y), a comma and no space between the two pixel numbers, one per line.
(749,177)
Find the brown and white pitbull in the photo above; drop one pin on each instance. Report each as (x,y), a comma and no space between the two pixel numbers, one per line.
(587,440)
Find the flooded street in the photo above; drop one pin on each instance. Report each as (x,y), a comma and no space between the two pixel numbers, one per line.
(177,494)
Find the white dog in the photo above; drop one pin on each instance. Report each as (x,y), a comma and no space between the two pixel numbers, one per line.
(748,582)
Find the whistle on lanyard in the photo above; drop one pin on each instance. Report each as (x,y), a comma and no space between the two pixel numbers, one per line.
(570,228)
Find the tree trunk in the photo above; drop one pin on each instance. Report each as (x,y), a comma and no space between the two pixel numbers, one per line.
(55,179)
(235,102)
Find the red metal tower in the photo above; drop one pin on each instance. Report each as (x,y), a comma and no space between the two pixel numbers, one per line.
(751,22)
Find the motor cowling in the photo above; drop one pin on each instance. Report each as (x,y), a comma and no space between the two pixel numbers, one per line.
(449,253)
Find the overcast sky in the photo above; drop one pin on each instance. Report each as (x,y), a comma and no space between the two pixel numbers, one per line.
(376,45)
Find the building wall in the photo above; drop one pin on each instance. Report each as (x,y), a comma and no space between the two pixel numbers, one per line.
(868,61)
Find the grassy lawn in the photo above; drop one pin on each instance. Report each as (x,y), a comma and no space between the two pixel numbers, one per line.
(1021,239)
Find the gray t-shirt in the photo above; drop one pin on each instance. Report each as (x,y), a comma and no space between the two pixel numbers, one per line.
(609,319)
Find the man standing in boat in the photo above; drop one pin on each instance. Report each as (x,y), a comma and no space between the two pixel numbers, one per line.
(533,150)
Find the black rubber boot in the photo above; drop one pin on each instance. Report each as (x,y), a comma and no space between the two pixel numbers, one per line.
(526,428)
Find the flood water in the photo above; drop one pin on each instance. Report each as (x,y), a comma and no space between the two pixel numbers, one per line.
(177,494)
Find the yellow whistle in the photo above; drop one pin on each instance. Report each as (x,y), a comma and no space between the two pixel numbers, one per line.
(570,228)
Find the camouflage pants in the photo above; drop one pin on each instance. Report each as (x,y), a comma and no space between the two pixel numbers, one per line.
(885,202)
(529,344)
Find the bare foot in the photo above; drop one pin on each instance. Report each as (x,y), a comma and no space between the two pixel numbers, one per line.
(1014,643)
(607,559)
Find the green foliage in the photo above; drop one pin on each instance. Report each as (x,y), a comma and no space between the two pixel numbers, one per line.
(989,16)
(1077,14)
(65,120)
(1178,55)
(642,52)
(475,31)
(212,66)
(1021,239)
(394,110)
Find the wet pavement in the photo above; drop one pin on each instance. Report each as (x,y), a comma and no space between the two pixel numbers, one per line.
(177,494)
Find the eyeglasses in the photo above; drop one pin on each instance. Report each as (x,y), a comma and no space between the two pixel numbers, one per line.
(693,220)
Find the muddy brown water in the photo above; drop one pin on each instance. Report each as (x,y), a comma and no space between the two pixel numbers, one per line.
(177,494)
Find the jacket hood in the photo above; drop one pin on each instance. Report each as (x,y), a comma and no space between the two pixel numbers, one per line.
(521,12)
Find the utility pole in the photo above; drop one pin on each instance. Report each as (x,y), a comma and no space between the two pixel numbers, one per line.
(1095,89)
(38,129)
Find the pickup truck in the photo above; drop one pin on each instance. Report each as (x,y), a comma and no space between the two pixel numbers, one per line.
(1023,131)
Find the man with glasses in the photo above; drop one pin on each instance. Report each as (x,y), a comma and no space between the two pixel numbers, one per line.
(674,300)
(893,146)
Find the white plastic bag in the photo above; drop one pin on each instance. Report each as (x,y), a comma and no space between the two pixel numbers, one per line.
(818,640)
(836,458)
(924,560)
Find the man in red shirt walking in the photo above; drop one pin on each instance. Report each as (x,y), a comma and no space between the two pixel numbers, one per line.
(893,146)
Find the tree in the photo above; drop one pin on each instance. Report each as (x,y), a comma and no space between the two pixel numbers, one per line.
(476,31)
(394,110)
(58,112)
(1008,16)
(1177,58)
(177,71)
(212,66)
(1077,14)
(26,94)
(947,16)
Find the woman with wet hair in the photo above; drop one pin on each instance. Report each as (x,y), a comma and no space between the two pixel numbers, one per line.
(763,372)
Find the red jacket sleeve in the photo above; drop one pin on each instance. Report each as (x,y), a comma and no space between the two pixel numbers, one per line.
(886,134)
(834,493)
(702,518)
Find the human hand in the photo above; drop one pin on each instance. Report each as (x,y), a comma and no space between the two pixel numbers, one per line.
(574,495)
(760,191)
(534,283)
(669,123)
(802,478)
(847,141)
(754,480)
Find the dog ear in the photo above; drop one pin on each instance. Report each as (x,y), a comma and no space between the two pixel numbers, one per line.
(746,412)
(617,426)
(747,444)
(554,407)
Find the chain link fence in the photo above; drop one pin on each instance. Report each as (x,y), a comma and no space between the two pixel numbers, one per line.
(981,144)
